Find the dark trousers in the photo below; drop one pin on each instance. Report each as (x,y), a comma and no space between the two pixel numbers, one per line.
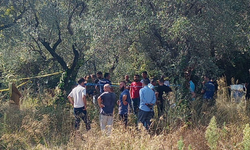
(144,117)
(136,103)
(162,106)
(80,113)
(124,119)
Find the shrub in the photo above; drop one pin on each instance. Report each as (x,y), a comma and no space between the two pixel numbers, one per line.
(212,134)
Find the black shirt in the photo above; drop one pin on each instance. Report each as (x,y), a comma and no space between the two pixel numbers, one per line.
(162,89)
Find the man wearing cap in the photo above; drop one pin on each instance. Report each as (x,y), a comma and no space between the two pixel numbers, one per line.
(147,101)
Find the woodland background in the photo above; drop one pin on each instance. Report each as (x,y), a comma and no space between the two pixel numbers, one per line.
(121,37)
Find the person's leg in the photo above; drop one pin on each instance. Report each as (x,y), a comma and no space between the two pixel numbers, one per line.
(159,109)
(77,118)
(109,124)
(142,117)
(84,117)
(103,122)
(136,103)
(160,105)
(149,116)
(124,119)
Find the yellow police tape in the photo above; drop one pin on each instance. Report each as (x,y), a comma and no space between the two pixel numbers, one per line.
(41,76)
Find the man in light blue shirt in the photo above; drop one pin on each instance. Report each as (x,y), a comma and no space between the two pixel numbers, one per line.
(147,102)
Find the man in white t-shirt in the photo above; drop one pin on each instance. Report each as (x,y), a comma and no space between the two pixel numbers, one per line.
(77,98)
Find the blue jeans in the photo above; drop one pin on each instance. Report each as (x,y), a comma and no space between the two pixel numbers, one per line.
(135,104)
(80,113)
(144,117)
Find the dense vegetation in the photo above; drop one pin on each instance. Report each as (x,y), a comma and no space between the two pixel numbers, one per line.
(40,37)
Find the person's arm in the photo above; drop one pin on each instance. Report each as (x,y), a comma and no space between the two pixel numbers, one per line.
(130,89)
(84,102)
(97,85)
(203,90)
(124,99)
(193,94)
(154,99)
(141,96)
(156,94)
(100,102)
(111,88)
(71,100)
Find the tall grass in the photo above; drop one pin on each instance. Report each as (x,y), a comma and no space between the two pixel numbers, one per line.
(41,125)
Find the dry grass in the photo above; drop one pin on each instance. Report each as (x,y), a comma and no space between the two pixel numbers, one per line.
(40,125)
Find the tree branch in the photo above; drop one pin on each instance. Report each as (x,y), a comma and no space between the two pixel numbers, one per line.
(14,22)
(54,54)
(59,38)
(39,47)
(163,43)
(71,16)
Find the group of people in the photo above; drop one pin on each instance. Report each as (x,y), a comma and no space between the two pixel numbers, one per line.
(138,97)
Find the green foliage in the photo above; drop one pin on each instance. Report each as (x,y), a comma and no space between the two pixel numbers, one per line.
(212,134)
(181,144)
(189,147)
(246,137)
(162,37)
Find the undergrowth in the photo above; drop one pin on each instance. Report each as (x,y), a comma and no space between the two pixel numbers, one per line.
(40,124)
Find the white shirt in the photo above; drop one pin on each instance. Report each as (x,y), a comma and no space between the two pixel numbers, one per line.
(77,93)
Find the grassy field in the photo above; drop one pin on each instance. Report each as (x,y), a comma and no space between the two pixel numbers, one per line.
(41,125)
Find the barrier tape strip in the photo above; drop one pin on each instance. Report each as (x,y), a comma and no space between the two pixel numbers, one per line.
(17,86)
(41,76)
(116,85)
(46,75)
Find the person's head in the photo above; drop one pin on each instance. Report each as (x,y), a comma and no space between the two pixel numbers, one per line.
(144,74)
(99,75)
(81,81)
(107,88)
(153,81)
(186,75)
(207,78)
(136,78)
(88,77)
(93,76)
(144,82)
(161,82)
(126,77)
(122,85)
(106,76)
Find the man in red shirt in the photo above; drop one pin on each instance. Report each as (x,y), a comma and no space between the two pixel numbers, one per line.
(134,93)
